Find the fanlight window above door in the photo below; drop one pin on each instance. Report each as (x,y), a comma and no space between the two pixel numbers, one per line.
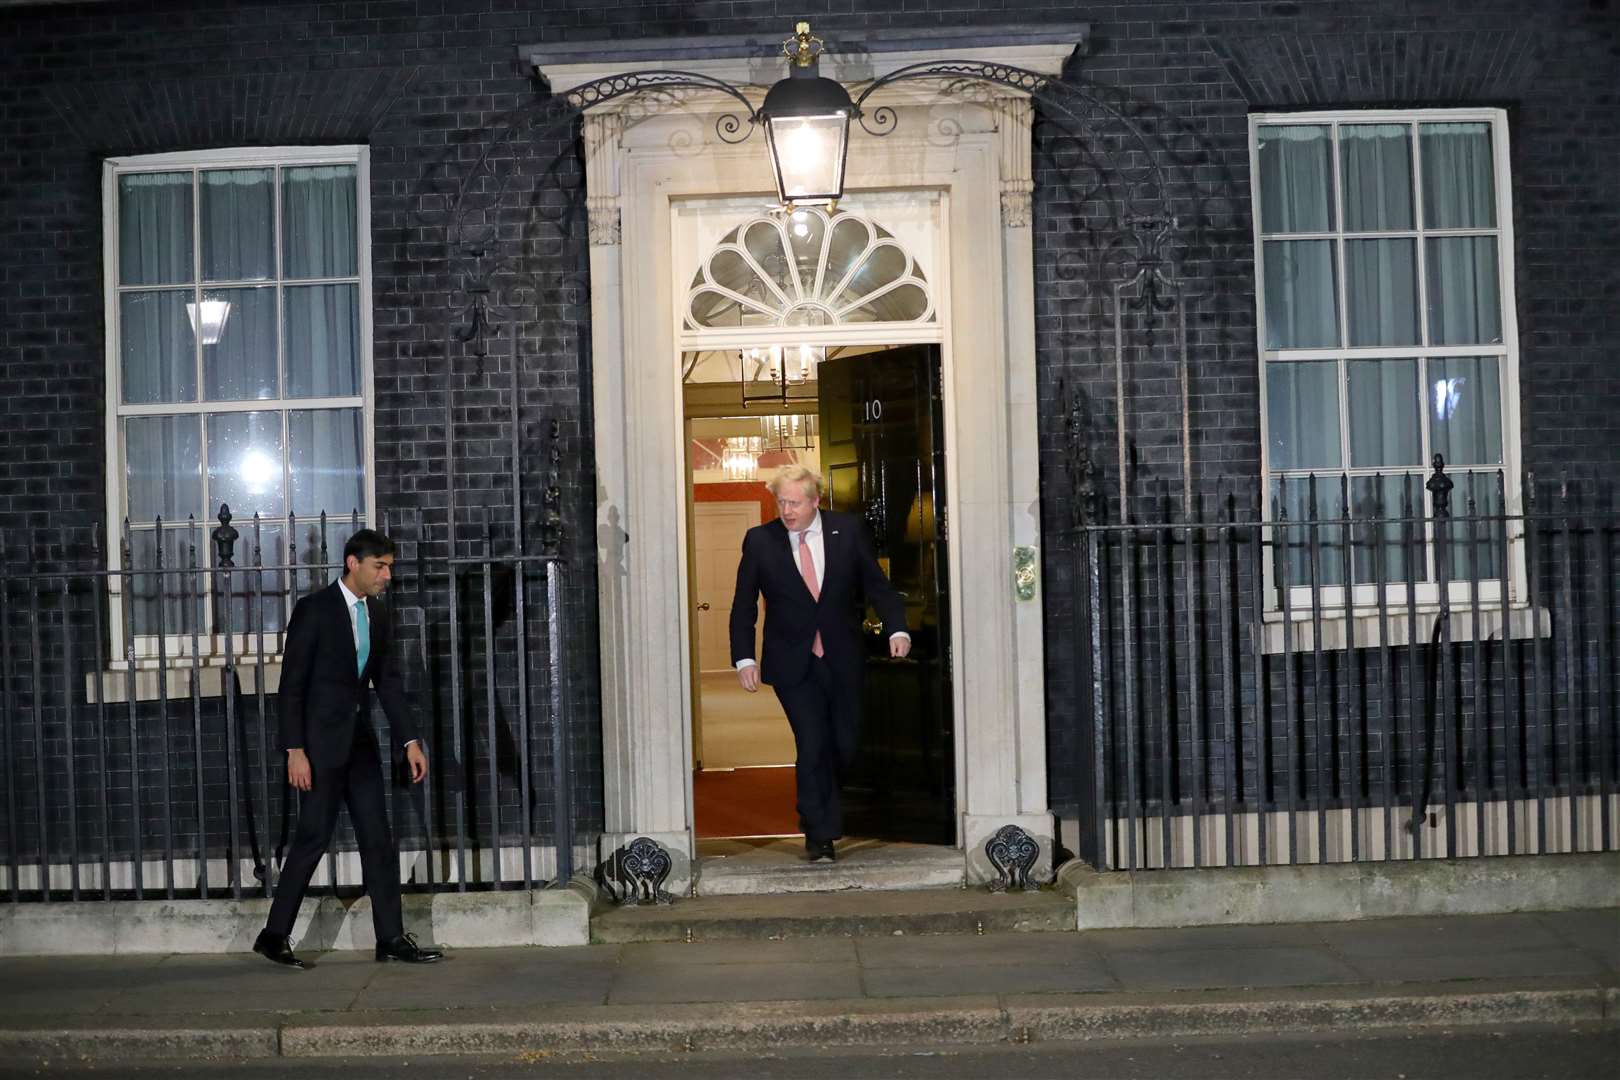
(808,268)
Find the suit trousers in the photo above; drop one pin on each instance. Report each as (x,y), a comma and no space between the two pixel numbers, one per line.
(825,714)
(359,783)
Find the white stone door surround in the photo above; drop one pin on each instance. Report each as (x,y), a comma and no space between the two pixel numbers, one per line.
(969,143)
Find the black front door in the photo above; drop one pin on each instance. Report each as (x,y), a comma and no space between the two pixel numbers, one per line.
(883,452)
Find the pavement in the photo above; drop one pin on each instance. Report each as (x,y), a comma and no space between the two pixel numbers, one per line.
(1541,968)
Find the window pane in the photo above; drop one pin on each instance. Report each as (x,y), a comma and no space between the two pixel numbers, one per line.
(154,228)
(323,341)
(241,364)
(163,467)
(1301,294)
(1459,185)
(1462,276)
(1376,161)
(1296,173)
(1302,411)
(849,240)
(316,548)
(731,271)
(1471,544)
(805,233)
(1294,538)
(328,461)
(238,225)
(764,243)
(1384,414)
(1381,291)
(156,348)
(1380,552)
(178,593)
(882,265)
(245,465)
(907,303)
(318,209)
(1465,410)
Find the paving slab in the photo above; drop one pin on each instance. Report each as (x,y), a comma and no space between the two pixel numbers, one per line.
(182,1008)
(815,950)
(1503,964)
(1441,936)
(830,990)
(914,981)
(733,982)
(250,972)
(1596,932)
(58,1003)
(988,950)
(576,987)
(1188,969)
(1302,935)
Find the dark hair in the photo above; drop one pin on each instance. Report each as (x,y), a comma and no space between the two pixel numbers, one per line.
(365,544)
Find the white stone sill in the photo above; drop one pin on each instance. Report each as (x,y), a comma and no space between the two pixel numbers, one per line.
(1522,623)
(176,679)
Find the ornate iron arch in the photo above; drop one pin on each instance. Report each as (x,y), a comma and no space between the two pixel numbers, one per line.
(489,284)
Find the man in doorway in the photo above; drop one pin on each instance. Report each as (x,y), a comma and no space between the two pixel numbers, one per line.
(813,568)
(337,644)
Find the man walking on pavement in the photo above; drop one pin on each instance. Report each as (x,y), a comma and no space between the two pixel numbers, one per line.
(813,568)
(337,644)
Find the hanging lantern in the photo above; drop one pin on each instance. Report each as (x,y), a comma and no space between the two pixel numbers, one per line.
(807,127)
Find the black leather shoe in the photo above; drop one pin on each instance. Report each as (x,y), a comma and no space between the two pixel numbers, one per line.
(277,948)
(405,949)
(820,850)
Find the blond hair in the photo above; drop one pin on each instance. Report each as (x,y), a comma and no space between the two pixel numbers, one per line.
(795,474)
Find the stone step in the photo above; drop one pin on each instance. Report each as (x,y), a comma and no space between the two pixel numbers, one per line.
(751,868)
(853,913)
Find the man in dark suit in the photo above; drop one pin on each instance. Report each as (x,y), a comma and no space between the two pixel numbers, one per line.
(337,645)
(813,568)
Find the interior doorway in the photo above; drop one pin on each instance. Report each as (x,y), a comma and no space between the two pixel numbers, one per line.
(869,419)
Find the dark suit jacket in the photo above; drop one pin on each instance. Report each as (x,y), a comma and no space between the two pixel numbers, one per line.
(792,619)
(321,691)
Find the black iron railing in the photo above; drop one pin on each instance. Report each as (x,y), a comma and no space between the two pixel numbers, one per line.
(138,714)
(1412,666)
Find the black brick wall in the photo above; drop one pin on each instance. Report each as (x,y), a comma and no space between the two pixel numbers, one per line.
(424,82)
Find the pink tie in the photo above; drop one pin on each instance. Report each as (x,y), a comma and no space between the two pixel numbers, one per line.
(807,570)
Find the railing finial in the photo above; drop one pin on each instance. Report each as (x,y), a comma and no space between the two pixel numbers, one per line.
(224,537)
(1439,486)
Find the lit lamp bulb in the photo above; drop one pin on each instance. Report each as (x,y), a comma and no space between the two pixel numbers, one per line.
(208,319)
(258,472)
(803,149)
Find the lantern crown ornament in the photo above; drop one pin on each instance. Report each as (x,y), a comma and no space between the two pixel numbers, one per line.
(806,120)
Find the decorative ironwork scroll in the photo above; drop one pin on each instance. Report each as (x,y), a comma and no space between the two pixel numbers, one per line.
(635,874)
(1013,853)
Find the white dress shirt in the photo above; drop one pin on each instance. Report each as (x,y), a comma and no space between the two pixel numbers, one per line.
(810,536)
(349,601)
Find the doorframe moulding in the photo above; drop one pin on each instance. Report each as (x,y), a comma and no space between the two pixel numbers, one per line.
(972,143)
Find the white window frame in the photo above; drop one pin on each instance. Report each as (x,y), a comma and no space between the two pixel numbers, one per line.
(1364,598)
(212,646)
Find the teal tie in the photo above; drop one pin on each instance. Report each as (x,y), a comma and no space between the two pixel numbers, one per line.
(362,627)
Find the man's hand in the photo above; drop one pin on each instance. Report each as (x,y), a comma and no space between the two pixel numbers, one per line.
(417,761)
(899,646)
(299,774)
(749,677)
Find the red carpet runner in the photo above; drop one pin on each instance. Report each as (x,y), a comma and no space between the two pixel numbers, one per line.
(744,802)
